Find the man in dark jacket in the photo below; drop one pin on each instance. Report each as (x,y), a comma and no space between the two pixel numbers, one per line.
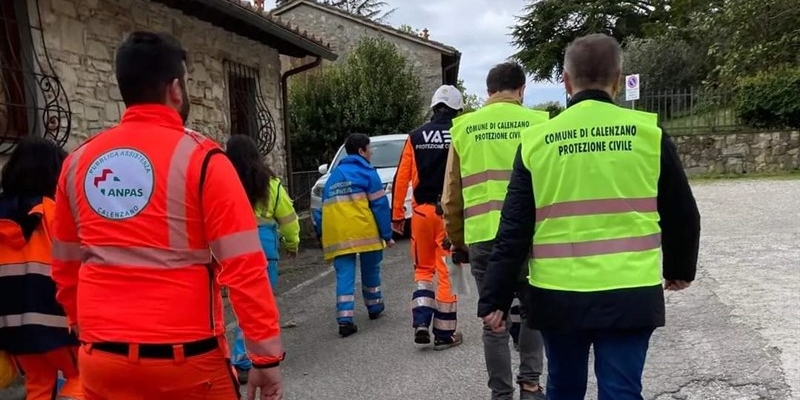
(422,164)
(610,196)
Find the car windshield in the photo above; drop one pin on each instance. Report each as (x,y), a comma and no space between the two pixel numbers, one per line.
(385,154)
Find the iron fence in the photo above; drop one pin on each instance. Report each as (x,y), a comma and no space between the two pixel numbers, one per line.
(302,182)
(690,110)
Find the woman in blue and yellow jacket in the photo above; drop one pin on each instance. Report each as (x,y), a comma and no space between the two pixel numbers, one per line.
(278,227)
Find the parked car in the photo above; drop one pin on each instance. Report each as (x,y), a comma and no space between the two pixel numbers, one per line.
(386,151)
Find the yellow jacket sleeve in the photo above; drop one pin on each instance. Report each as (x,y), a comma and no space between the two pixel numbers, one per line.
(286,218)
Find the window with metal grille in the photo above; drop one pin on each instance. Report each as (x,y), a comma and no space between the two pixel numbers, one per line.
(249,114)
(32,99)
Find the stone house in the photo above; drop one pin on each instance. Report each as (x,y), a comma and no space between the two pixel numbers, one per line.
(435,63)
(57,57)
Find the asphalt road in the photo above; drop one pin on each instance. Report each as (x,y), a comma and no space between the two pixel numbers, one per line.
(734,335)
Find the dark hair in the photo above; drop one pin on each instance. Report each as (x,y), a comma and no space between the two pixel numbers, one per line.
(249,164)
(33,168)
(593,61)
(146,63)
(356,142)
(505,76)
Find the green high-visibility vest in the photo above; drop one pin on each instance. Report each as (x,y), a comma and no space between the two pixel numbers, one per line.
(595,170)
(486,141)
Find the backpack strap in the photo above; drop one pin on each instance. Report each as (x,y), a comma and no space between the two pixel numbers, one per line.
(204,168)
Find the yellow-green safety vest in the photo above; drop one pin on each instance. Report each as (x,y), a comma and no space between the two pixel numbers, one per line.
(595,170)
(486,141)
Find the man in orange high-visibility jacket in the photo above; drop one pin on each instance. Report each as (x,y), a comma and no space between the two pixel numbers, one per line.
(141,209)
(423,164)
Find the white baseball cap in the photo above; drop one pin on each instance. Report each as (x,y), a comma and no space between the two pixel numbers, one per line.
(448,95)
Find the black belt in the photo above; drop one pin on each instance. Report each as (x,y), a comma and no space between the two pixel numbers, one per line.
(160,350)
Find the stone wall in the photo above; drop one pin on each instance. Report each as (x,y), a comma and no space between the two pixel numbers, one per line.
(344,35)
(81,37)
(739,153)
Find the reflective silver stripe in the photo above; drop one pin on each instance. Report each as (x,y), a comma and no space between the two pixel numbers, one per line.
(596,247)
(287,219)
(345,197)
(33,318)
(346,313)
(485,176)
(366,289)
(372,302)
(483,208)
(423,302)
(66,251)
(444,325)
(345,299)
(352,243)
(376,195)
(22,269)
(271,347)
(264,221)
(176,192)
(424,285)
(515,318)
(596,207)
(146,257)
(446,307)
(236,244)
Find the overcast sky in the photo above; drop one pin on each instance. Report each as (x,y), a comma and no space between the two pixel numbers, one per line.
(479,29)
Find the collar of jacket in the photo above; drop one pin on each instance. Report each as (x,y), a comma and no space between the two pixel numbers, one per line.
(154,114)
(356,159)
(592,94)
(18,220)
(500,97)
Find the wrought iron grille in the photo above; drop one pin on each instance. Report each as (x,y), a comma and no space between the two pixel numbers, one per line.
(249,113)
(32,99)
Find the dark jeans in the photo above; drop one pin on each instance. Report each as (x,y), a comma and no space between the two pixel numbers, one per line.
(619,357)
(496,349)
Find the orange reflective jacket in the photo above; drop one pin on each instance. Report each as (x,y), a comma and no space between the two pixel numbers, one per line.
(136,232)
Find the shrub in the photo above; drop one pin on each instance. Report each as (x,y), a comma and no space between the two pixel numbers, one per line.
(553,107)
(373,91)
(770,99)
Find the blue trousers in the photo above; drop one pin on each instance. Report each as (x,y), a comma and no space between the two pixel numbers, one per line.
(619,357)
(270,243)
(345,266)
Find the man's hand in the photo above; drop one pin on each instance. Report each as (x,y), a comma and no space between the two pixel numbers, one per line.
(266,380)
(74,329)
(399,226)
(675,285)
(496,321)
(390,243)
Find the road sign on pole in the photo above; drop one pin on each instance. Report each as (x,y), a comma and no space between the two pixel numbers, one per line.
(632,87)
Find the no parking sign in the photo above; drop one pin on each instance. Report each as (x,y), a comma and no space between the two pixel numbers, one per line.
(632,87)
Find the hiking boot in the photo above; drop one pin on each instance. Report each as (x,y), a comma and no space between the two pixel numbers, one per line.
(346,329)
(422,335)
(444,344)
(241,375)
(537,394)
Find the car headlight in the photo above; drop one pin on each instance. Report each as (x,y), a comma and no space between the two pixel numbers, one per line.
(316,191)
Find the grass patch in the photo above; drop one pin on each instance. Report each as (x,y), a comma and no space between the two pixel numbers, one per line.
(777,175)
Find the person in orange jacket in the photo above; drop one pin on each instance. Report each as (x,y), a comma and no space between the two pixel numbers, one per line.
(422,164)
(33,327)
(151,220)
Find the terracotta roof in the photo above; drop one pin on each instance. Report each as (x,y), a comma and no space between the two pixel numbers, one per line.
(257,7)
(368,22)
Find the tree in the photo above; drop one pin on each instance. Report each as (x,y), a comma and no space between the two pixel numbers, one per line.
(553,107)
(372,9)
(667,62)
(374,91)
(471,101)
(548,26)
(408,29)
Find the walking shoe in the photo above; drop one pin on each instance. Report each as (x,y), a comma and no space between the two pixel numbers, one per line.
(346,329)
(422,335)
(444,344)
(376,315)
(241,375)
(537,394)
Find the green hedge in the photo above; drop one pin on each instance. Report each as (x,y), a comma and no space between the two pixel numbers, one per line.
(770,99)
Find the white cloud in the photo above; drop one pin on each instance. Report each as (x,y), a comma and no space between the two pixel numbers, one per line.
(479,29)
